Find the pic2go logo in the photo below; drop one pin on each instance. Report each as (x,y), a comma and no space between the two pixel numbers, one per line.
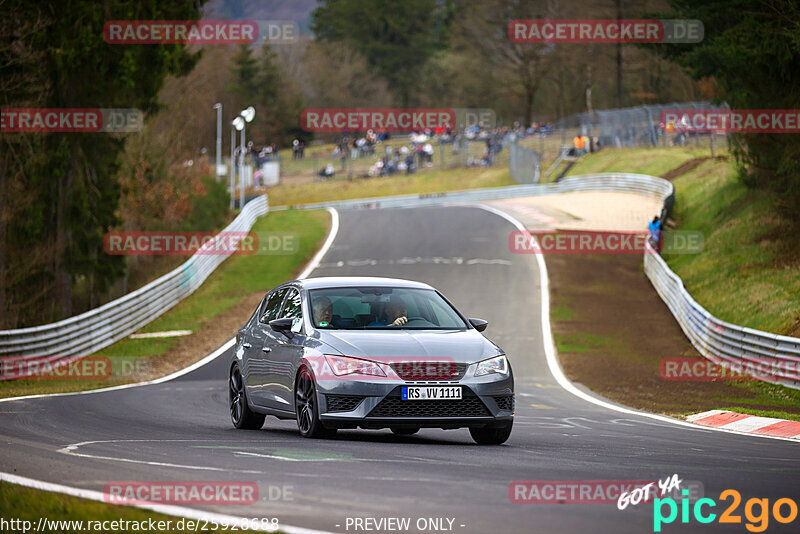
(757,521)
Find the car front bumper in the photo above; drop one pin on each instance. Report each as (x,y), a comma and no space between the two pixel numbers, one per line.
(486,401)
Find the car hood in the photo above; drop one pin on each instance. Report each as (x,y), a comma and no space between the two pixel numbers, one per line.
(466,346)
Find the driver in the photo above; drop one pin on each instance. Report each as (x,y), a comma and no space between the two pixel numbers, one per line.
(323,311)
(396,313)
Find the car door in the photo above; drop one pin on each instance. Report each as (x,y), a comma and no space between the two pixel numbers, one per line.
(287,353)
(259,336)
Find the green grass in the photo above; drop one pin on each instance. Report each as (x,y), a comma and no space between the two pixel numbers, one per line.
(749,272)
(428,182)
(17,502)
(652,161)
(562,312)
(238,276)
(580,343)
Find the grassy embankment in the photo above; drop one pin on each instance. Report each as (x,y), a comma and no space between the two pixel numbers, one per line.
(748,273)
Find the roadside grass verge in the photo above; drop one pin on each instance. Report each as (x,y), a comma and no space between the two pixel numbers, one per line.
(620,359)
(652,161)
(26,504)
(748,274)
(222,292)
(400,184)
(749,271)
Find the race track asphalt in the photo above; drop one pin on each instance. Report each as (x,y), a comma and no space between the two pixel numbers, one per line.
(180,430)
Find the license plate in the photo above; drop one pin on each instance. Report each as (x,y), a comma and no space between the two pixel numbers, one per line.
(432,393)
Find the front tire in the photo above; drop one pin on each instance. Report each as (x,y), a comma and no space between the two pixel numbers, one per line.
(241,415)
(306,407)
(491,435)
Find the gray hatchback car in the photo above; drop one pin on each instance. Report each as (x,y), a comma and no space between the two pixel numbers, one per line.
(355,352)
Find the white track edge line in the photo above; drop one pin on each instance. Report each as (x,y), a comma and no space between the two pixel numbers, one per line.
(177,511)
(555,366)
(324,249)
(166,509)
(215,354)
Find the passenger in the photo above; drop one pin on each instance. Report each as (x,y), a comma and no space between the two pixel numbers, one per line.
(323,312)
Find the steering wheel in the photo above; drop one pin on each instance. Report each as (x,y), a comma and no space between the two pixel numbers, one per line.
(418,319)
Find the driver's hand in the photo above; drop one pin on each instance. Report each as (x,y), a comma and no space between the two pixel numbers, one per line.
(400,321)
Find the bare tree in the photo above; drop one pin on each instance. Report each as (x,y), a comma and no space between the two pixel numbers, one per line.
(482,29)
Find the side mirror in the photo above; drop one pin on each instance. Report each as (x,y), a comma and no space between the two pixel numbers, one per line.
(479,324)
(284,326)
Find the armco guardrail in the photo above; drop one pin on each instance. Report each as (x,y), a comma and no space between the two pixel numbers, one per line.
(631,183)
(91,331)
(771,356)
(721,342)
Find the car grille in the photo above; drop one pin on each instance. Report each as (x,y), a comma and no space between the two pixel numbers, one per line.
(505,402)
(396,407)
(343,403)
(423,370)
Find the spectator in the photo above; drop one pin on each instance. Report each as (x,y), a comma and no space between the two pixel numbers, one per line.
(654,227)
(327,171)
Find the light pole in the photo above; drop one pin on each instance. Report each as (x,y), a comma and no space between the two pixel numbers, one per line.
(233,160)
(244,117)
(238,125)
(218,107)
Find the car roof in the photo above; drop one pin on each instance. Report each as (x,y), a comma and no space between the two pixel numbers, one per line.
(357,281)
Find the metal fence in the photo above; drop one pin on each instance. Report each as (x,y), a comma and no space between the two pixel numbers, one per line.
(89,332)
(524,163)
(639,126)
(398,156)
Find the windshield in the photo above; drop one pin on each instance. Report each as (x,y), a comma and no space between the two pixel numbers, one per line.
(367,308)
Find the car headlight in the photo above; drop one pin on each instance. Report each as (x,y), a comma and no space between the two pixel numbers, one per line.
(498,365)
(344,365)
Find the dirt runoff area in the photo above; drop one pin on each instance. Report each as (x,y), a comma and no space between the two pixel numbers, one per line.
(612,330)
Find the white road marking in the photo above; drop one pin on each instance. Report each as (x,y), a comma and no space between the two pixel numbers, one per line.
(177,511)
(555,366)
(214,355)
(325,246)
(166,333)
(166,509)
(435,260)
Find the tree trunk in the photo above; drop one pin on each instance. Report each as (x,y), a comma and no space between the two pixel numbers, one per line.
(63,279)
(3,245)
(530,94)
(619,59)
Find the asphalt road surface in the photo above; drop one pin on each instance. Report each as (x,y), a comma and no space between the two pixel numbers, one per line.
(181,431)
